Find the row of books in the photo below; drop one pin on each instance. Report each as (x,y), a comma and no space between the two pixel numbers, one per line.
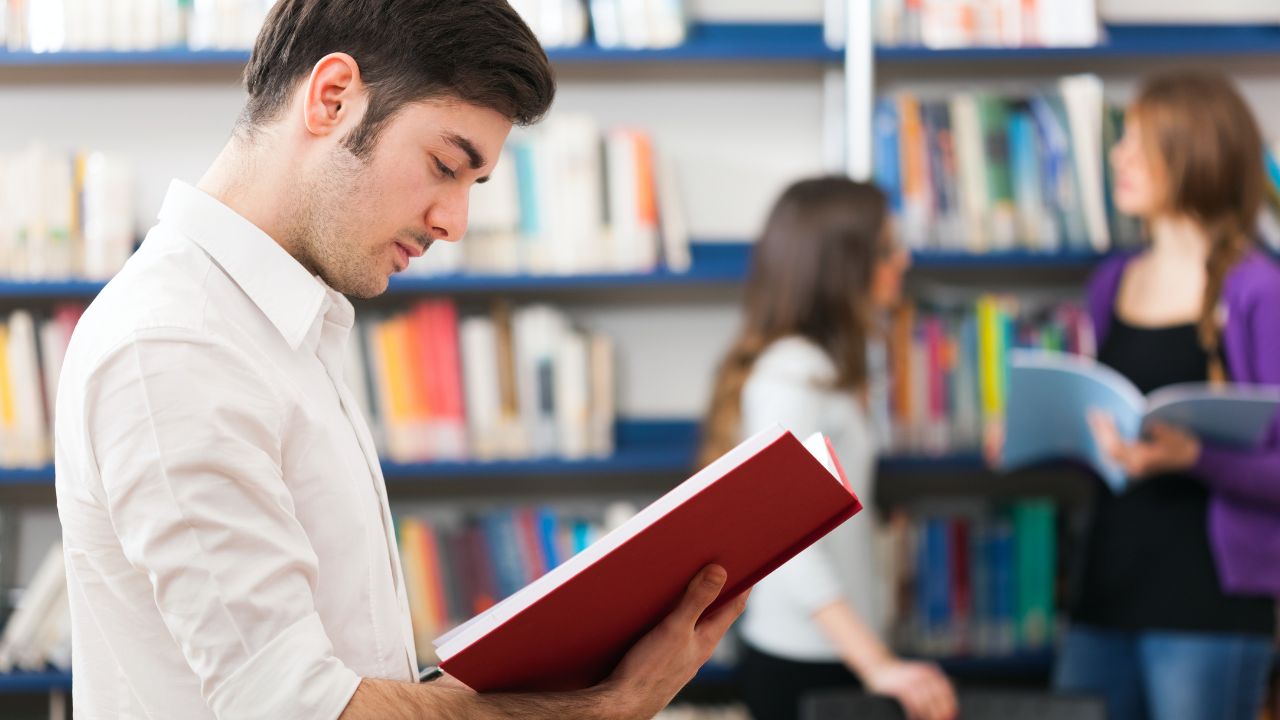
(979,581)
(631,24)
(570,198)
(980,172)
(130,25)
(31,354)
(510,384)
(64,214)
(457,566)
(948,367)
(943,24)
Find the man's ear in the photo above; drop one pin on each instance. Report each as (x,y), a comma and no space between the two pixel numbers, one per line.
(333,96)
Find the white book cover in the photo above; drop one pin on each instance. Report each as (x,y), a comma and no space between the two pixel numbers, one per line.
(53,349)
(635,23)
(671,216)
(972,170)
(606,23)
(539,329)
(479,346)
(107,199)
(1069,23)
(668,24)
(948,24)
(1084,100)
(572,391)
(628,255)
(603,396)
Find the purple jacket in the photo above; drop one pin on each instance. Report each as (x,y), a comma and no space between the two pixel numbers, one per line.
(1244,485)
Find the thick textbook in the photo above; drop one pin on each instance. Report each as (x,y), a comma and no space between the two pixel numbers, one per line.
(749,511)
(1051,395)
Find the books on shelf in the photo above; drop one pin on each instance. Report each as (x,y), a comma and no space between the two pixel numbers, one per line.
(132,25)
(948,366)
(1230,414)
(568,198)
(457,565)
(749,511)
(38,633)
(31,352)
(946,24)
(64,215)
(630,24)
(980,172)
(978,579)
(511,384)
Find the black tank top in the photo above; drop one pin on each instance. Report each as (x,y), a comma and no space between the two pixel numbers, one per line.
(1147,560)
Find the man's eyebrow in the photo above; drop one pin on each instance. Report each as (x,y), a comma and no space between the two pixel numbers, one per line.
(476,160)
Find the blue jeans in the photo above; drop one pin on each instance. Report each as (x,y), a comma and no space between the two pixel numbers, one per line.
(1166,675)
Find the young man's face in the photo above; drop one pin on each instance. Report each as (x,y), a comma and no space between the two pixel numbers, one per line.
(363,219)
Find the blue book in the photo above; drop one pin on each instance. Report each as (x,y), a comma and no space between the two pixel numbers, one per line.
(887,153)
(1051,395)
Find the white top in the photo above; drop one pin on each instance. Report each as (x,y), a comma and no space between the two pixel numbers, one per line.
(790,385)
(229,548)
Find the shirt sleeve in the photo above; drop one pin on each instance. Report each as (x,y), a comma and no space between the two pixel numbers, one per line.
(187,438)
(1249,476)
(795,401)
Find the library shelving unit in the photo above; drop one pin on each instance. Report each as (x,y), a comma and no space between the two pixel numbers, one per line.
(667,446)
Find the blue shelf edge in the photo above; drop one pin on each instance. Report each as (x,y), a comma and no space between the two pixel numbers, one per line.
(714,263)
(34,682)
(643,446)
(1120,42)
(706,42)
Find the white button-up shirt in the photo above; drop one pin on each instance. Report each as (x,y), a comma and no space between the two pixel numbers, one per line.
(230,553)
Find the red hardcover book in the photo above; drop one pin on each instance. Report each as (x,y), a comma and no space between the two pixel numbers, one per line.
(749,511)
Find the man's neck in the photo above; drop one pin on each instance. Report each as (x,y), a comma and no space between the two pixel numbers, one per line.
(244,179)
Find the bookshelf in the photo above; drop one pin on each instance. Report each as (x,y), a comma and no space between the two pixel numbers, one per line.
(667,446)
(1121,42)
(715,263)
(707,42)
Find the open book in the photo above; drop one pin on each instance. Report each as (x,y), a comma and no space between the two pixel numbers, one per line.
(749,511)
(1051,395)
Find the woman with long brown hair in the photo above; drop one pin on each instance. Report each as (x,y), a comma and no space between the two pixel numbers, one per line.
(1175,614)
(824,270)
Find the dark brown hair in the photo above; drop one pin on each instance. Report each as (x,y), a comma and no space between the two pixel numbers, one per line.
(477,51)
(810,276)
(1201,135)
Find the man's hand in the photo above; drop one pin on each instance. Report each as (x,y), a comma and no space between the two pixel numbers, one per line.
(644,682)
(1167,448)
(666,659)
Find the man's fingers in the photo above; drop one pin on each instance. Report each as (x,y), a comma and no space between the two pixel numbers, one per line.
(716,624)
(703,590)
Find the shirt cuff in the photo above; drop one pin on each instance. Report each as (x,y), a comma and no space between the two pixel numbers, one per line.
(294,677)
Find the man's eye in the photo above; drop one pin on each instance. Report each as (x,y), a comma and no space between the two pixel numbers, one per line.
(444,169)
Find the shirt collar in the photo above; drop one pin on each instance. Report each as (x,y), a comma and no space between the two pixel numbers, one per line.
(291,298)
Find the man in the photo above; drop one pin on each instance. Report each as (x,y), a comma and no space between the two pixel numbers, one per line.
(229,548)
